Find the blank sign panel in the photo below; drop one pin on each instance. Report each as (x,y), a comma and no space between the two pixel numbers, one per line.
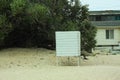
(68,43)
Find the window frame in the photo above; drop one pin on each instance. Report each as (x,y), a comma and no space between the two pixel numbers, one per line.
(109,33)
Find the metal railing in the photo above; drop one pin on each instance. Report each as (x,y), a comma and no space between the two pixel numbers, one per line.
(106,23)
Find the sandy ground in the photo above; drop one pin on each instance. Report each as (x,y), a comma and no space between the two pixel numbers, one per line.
(40,64)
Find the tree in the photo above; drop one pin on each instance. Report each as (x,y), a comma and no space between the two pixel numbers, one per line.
(5,25)
(17,17)
(32,23)
(39,18)
(79,15)
(88,33)
(5,28)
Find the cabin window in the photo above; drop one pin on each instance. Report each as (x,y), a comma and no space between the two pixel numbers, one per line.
(109,34)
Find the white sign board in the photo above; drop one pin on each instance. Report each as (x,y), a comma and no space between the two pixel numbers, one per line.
(68,43)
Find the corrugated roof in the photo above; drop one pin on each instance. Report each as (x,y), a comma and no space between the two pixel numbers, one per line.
(107,12)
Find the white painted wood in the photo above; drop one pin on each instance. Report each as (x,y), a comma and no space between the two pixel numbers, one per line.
(68,43)
(101,37)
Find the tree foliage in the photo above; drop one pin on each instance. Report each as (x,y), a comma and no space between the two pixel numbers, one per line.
(88,32)
(18,7)
(37,13)
(32,23)
(5,27)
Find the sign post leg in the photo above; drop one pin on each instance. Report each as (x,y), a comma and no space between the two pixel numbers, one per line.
(57,61)
(78,60)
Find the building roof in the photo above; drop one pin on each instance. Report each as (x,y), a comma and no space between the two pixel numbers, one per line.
(106,12)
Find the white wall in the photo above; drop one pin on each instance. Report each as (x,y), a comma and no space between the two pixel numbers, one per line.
(101,37)
(119,34)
